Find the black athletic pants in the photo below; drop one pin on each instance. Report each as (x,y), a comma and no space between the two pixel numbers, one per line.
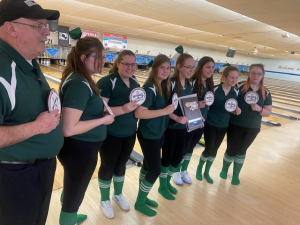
(25,192)
(151,151)
(192,139)
(239,139)
(173,147)
(79,159)
(114,154)
(213,138)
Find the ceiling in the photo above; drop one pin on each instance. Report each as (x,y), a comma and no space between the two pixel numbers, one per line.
(213,24)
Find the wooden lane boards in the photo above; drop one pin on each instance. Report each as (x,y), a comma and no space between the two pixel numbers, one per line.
(285,102)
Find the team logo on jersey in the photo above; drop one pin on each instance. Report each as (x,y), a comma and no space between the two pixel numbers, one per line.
(138,94)
(53,101)
(251,97)
(231,104)
(209,98)
(192,105)
(175,100)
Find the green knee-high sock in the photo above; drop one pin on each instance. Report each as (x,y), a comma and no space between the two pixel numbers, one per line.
(178,169)
(65,217)
(187,159)
(170,187)
(202,160)
(237,166)
(118,184)
(104,186)
(227,160)
(163,187)
(209,162)
(149,202)
(140,203)
(71,218)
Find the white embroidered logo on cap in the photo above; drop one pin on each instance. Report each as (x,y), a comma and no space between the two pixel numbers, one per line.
(30,3)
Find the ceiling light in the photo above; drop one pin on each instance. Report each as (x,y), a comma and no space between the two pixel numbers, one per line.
(285,35)
(255,51)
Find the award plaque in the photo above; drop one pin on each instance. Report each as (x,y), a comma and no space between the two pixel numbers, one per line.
(251,97)
(231,104)
(190,109)
(138,94)
(175,100)
(53,101)
(209,98)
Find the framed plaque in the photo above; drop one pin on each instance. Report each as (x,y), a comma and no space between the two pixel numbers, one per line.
(191,110)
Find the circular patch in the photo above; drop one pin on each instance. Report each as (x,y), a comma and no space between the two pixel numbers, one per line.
(138,94)
(53,101)
(209,98)
(231,104)
(251,97)
(175,100)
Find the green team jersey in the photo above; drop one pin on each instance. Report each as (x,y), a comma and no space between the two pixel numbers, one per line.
(153,128)
(76,93)
(113,87)
(217,115)
(23,96)
(178,112)
(194,91)
(248,117)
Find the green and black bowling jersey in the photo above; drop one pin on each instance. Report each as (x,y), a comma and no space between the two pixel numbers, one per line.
(113,87)
(248,117)
(76,93)
(178,112)
(23,96)
(217,115)
(195,91)
(153,128)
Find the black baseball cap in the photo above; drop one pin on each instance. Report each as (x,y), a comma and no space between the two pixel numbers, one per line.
(14,9)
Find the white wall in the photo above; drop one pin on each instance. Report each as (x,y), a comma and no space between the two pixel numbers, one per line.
(283,69)
(169,49)
(156,47)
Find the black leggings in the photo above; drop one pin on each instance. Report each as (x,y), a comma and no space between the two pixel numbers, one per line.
(192,139)
(151,151)
(114,154)
(239,139)
(79,159)
(213,138)
(173,147)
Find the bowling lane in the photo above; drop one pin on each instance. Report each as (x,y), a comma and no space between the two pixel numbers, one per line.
(53,85)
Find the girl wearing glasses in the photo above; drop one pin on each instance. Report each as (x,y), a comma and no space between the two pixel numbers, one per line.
(83,124)
(202,81)
(121,135)
(218,120)
(154,115)
(244,128)
(175,135)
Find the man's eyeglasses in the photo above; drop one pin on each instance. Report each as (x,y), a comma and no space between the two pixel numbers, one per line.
(129,64)
(40,28)
(189,67)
